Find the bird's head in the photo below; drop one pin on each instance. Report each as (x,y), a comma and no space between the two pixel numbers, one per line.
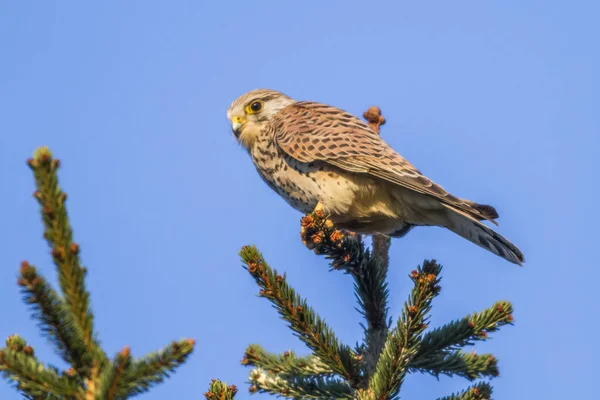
(250,112)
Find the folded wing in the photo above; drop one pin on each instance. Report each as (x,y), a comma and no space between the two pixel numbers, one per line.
(309,131)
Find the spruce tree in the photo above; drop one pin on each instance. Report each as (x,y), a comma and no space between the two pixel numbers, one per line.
(375,368)
(66,319)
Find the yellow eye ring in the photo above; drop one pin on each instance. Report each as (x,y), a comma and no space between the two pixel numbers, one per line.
(254,107)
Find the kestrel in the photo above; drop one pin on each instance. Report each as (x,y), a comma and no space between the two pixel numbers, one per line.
(317,156)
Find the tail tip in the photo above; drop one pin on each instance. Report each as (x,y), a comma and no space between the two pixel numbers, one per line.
(517,257)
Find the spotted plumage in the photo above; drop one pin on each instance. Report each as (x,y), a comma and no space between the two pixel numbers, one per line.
(315,155)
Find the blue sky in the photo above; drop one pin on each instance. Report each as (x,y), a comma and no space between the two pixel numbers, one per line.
(496,101)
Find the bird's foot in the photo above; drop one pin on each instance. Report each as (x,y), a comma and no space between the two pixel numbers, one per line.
(318,211)
(317,230)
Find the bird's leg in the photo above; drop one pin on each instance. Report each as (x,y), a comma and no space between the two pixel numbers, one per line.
(308,223)
(319,212)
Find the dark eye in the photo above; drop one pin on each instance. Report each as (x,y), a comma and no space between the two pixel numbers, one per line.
(256,106)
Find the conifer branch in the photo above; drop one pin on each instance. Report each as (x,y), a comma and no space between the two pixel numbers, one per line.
(110,378)
(54,318)
(285,364)
(372,295)
(68,321)
(299,387)
(457,363)
(32,378)
(479,391)
(141,375)
(303,320)
(439,351)
(65,252)
(219,390)
(347,253)
(466,331)
(403,342)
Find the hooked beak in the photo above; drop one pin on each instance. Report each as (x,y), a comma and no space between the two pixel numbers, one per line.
(237,125)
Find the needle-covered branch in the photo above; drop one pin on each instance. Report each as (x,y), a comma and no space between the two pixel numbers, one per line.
(347,252)
(142,374)
(59,235)
(285,364)
(439,351)
(303,320)
(68,321)
(299,387)
(458,363)
(55,320)
(19,364)
(65,254)
(219,390)
(112,375)
(403,343)
(468,330)
(479,391)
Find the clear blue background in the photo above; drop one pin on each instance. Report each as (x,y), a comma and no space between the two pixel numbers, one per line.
(497,101)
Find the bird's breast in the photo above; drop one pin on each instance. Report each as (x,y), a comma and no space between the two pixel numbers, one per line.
(302,185)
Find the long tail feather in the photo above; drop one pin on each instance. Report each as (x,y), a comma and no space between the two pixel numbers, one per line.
(476,232)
